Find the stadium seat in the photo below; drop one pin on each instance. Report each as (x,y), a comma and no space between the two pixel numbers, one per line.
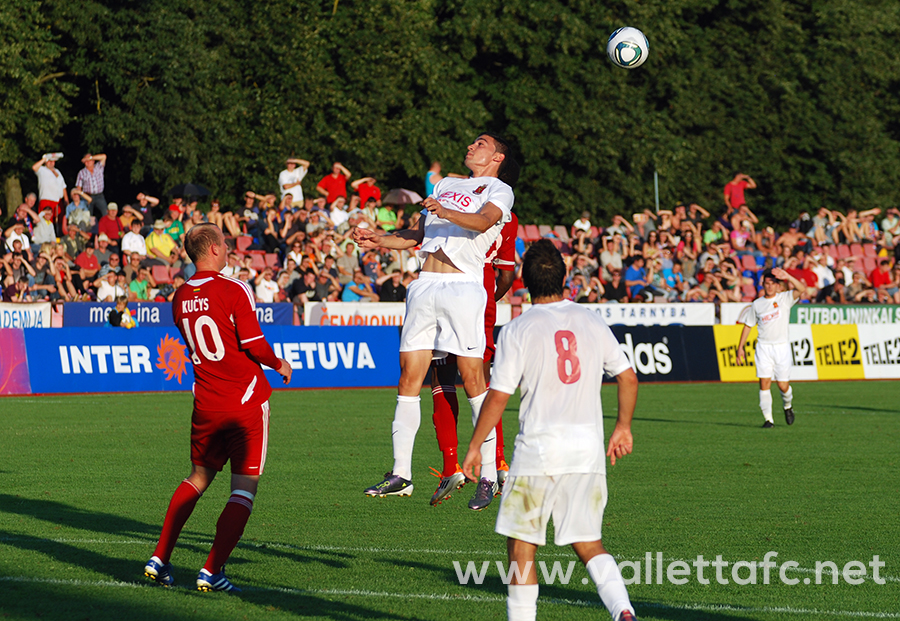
(545,230)
(521,235)
(856,250)
(272,260)
(749,292)
(843,251)
(161,274)
(595,232)
(832,251)
(870,250)
(870,264)
(857,265)
(532,233)
(243,242)
(173,271)
(258,261)
(749,263)
(562,233)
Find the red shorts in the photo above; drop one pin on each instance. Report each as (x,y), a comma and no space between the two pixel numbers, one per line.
(54,205)
(241,436)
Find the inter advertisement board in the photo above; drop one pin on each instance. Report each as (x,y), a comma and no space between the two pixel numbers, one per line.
(159,314)
(84,360)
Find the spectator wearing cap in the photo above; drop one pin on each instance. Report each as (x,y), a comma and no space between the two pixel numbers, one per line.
(103,251)
(51,185)
(111,225)
(160,245)
(78,212)
(290,178)
(366,188)
(90,181)
(134,242)
(174,227)
(334,184)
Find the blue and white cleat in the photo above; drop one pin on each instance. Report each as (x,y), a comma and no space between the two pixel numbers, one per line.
(215,582)
(160,572)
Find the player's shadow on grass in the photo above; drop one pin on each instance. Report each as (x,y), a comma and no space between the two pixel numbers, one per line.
(837,408)
(690,422)
(307,604)
(561,595)
(299,555)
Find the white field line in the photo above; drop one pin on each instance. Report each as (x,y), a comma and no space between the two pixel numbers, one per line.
(476,598)
(466,554)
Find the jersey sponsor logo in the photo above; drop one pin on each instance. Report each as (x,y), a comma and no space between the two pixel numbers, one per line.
(327,355)
(458,198)
(172,358)
(648,358)
(480,189)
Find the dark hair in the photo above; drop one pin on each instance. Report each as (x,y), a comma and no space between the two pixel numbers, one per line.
(544,270)
(768,275)
(198,240)
(509,169)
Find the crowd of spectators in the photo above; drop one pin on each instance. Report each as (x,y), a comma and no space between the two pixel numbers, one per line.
(72,245)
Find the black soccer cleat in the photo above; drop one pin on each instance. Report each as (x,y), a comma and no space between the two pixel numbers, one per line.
(789,416)
(768,425)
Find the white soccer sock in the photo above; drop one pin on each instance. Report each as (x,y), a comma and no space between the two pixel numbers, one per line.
(787,397)
(407,417)
(610,586)
(489,446)
(521,603)
(765,404)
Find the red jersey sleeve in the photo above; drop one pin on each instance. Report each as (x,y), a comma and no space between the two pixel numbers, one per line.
(249,333)
(506,255)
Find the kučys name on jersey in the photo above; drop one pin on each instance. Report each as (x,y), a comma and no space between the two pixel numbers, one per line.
(194,305)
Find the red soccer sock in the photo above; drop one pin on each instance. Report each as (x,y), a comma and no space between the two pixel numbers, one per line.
(446,414)
(180,508)
(229,529)
(499,428)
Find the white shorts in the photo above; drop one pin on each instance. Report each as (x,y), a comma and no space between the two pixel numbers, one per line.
(773,361)
(576,502)
(445,312)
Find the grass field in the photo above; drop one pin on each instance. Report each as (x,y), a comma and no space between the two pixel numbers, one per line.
(86,481)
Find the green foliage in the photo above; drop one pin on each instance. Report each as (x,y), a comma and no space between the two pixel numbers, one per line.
(802,95)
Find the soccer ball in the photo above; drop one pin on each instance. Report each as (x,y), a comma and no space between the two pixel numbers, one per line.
(628,47)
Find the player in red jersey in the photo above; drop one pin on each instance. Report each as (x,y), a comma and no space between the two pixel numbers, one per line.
(217,319)
(501,255)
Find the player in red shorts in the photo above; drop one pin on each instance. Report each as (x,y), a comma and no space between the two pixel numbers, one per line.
(217,319)
(502,255)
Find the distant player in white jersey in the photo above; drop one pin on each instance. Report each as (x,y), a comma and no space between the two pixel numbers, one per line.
(772,314)
(559,352)
(445,305)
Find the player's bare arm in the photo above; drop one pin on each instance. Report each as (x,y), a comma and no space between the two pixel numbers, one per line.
(620,441)
(403,239)
(491,413)
(505,280)
(745,334)
(799,286)
(481,221)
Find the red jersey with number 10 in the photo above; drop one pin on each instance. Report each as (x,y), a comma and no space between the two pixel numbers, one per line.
(217,319)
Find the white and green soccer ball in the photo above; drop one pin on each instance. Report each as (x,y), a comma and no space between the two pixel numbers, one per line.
(628,48)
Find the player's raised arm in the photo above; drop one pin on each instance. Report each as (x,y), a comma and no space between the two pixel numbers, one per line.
(396,240)
(799,286)
(620,441)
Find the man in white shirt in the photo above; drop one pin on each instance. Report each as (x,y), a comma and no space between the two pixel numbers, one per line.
(134,242)
(290,178)
(445,305)
(772,314)
(558,352)
(51,185)
(266,288)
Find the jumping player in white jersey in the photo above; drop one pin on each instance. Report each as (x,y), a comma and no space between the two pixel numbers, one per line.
(445,305)
(772,313)
(558,467)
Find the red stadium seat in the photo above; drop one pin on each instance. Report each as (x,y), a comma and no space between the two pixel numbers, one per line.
(562,233)
(173,271)
(521,234)
(258,261)
(595,232)
(545,230)
(857,265)
(749,263)
(749,292)
(243,242)
(832,251)
(870,250)
(870,264)
(532,233)
(843,251)
(161,274)
(272,260)
(856,250)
